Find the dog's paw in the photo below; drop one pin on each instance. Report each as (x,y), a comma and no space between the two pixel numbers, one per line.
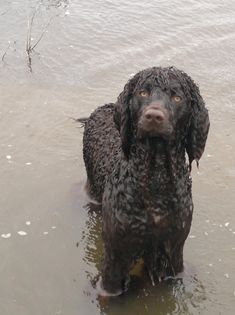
(104,293)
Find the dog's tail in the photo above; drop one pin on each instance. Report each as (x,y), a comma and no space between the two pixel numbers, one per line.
(82,121)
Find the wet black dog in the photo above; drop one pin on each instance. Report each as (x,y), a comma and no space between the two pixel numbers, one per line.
(135,157)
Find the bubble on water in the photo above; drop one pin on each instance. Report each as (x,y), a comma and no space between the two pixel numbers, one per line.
(209,155)
(210,265)
(28,163)
(206,233)
(226,224)
(7,235)
(226,275)
(53,227)
(28,223)
(8,157)
(45,233)
(207,221)
(22,233)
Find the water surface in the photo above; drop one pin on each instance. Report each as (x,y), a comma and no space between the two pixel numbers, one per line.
(50,240)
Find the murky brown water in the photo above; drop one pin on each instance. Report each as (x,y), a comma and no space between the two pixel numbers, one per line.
(50,242)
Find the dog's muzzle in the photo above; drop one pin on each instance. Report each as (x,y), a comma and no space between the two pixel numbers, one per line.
(154,121)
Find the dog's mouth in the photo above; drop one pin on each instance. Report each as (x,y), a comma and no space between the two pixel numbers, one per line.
(154,122)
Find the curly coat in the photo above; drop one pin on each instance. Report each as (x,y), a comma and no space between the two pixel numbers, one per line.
(135,157)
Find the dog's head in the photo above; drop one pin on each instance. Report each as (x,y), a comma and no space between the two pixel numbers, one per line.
(162,102)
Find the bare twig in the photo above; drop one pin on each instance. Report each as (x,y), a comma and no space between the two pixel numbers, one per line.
(29,39)
(41,36)
(29,35)
(4,55)
(29,47)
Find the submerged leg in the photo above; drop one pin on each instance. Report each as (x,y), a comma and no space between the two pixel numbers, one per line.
(159,264)
(165,260)
(115,272)
(177,260)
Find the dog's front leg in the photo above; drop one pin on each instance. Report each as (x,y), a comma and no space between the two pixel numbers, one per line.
(115,271)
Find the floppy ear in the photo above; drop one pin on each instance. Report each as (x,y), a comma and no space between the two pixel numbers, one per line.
(122,116)
(198,128)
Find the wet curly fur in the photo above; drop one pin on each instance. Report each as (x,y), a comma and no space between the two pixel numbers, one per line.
(135,157)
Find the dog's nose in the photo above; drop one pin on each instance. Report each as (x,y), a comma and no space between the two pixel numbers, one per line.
(153,115)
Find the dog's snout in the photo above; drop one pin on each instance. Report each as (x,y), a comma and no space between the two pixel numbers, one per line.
(154,121)
(154,115)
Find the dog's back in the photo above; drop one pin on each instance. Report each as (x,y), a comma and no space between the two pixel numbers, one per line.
(101,144)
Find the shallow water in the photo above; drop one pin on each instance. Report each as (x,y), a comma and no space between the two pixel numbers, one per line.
(50,240)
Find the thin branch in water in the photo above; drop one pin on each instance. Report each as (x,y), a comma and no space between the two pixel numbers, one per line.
(30,63)
(29,47)
(29,35)
(41,36)
(29,39)
(4,55)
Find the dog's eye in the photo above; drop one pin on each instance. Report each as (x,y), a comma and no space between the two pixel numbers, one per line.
(144,93)
(176,98)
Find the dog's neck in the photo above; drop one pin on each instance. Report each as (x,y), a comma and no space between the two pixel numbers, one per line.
(158,150)
(161,160)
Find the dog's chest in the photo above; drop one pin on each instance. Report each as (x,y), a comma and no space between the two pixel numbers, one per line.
(160,218)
